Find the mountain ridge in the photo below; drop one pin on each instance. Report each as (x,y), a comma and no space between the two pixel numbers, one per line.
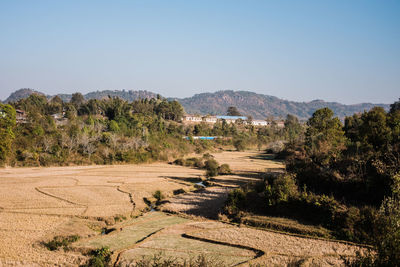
(259,106)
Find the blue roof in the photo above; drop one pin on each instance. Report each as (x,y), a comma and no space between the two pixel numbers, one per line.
(232,117)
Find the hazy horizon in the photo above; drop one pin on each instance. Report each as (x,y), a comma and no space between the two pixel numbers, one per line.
(211,92)
(337,51)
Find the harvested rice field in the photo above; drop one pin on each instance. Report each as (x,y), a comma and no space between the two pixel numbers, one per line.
(38,204)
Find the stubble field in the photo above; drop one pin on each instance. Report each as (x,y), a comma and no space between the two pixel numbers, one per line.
(37,204)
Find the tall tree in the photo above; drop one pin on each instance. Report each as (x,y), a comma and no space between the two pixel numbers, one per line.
(233,111)
(77,100)
(293,128)
(374,130)
(324,136)
(7,122)
(55,105)
(395,106)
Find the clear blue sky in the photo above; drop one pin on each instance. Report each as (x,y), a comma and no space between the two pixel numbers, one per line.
(336,50)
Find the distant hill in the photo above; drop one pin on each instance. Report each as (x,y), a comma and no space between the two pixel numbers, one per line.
(261,106)
(127,95)
(258,106)
(20,94)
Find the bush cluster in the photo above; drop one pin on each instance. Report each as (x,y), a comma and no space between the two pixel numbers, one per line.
(99,257)
(61,241)
(206,162)
(160,260)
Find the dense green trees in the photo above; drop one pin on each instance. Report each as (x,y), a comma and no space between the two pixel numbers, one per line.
(7,123)
(95,131)
(233,111)
(324,139)
(395,107)
(77,100)
(343,177)
(293,130)
(358,164)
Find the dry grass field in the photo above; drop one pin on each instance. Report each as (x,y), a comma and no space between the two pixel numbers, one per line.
(37,204)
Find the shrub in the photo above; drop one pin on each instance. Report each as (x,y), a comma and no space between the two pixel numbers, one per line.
(158,195)
(283,189)
(159,260)
(100,257)
(275,147)
(180,162)
(208,156)
(61,241)
(224,169)
(119,218)
(179,191)
(236,201)
(239,144)
(199,163)
(194,162)
(388,241)
(211,166)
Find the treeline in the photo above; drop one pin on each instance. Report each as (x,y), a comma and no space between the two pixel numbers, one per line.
(245,136)
(112,130)
(96,131)
(343,177)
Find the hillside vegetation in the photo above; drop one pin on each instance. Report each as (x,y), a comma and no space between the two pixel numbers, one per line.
(258,106)
(345,178)
(261,106)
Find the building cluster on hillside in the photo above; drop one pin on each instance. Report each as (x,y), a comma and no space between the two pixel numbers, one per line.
(229,119)
(59,118)
(22,117)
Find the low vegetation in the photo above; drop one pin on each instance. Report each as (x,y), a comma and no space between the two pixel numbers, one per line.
(206,162)
(112,130)
(160,260)
(345,178)
(61,242)
(342,179)
(99,258)
(158,195)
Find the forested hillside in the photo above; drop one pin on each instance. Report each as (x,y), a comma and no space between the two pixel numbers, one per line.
(258,106)
(345,178)
(261,106)
(107,131)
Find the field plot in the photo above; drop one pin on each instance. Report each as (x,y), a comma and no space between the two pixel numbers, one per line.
(248,161)
(206,203)
(280,249)
(181,248)
(157,232)
(37,204)
(139,229)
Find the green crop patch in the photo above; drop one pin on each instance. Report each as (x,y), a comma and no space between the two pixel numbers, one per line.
(139,229)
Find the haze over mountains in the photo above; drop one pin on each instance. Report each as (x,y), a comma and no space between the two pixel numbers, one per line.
(258,106)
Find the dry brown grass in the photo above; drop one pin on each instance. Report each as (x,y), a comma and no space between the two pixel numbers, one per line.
(279,249)
(37,204)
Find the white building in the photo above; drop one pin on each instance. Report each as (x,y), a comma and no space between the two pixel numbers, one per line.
(259,123)
(210,119)
(193,118)
(232,119)
(280,124)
